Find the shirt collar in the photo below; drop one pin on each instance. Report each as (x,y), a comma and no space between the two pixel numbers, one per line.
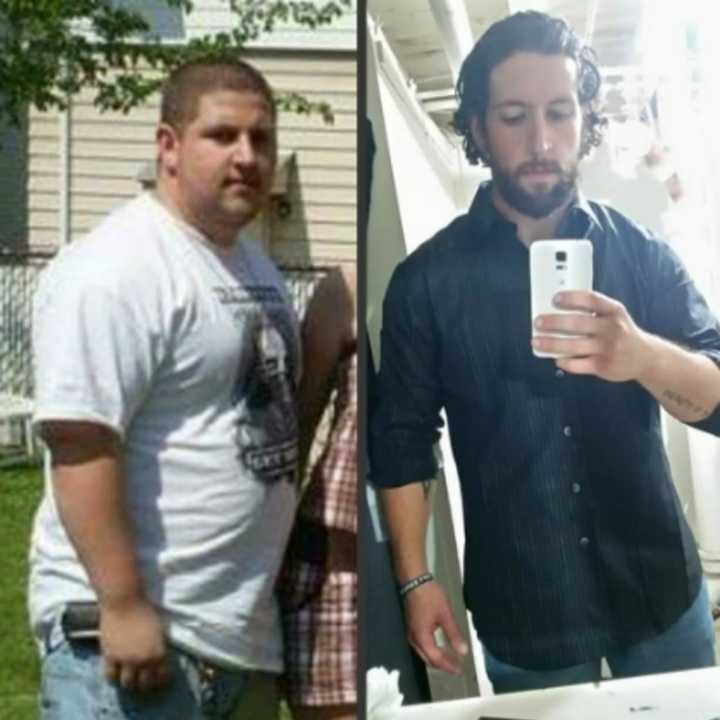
(484,213)
(582,206)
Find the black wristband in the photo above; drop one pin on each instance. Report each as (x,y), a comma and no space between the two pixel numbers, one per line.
(416,582)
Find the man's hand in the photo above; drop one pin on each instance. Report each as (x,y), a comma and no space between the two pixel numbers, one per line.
(611,346)
(133,646)
(89,487)
(426,610)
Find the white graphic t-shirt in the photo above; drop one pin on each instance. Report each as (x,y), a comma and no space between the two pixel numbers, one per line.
(191,355)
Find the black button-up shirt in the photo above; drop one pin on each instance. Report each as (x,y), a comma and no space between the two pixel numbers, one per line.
(576,544)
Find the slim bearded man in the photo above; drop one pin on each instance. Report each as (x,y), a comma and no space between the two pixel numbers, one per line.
(576,545)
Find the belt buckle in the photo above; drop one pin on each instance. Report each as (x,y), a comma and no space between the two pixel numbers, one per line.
(207,671)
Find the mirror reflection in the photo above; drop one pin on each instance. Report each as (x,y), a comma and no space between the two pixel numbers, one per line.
(543,497)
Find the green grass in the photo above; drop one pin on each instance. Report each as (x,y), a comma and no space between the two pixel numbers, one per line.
(20,490)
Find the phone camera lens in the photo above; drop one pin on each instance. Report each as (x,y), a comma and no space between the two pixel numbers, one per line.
(561,256)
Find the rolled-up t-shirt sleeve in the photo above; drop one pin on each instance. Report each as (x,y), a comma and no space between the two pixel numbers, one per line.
(405,426)
(94,350)
(681,314)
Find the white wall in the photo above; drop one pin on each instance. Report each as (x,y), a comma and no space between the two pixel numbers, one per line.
(424,180)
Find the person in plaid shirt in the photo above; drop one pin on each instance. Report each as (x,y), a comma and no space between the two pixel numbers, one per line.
(318,587)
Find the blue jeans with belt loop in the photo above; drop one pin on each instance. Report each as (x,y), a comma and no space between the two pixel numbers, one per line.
(74,688)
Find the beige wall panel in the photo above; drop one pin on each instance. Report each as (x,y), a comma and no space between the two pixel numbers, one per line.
(327,178)
(126,188)
(49,201)
(86,219)
(326,138)
(45,132)
(45,165)
(88,185)
(44,147)
(42,117)
(293,253)
(100,205)
(44,238)
(143,115)
(43,180)
(116,167)
(332,232)
(107,130)
(319,195)
(92,150)
(47,155)
(330,214)
(327,158)
(43,218)
(45,183)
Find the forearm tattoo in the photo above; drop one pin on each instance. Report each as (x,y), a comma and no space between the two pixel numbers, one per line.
(686,404)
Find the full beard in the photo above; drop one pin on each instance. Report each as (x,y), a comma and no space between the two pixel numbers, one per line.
(538,204)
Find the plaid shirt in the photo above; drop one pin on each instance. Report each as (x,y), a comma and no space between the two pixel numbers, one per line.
(331,497)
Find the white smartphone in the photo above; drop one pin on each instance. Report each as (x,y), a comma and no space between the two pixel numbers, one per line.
(557,265)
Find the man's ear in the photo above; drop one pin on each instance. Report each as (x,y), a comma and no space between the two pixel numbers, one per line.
(167,142)
(478,134)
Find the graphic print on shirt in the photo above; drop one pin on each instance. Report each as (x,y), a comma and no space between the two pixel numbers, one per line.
(265,393)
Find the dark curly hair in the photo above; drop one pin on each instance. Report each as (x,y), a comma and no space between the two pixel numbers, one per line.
(528,31)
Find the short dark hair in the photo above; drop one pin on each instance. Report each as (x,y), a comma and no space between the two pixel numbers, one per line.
(187,83)
(528,31)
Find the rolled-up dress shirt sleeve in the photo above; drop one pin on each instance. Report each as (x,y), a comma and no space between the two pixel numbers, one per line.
(680,313)
(406,424)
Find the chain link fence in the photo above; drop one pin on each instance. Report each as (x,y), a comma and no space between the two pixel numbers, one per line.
(19,273)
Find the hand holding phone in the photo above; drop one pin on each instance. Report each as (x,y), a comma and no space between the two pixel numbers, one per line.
(556,266)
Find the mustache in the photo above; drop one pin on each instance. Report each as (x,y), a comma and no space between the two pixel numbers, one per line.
(539,166)
(250,179)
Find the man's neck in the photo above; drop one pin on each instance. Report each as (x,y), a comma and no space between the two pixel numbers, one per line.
(224,240)
(529,228)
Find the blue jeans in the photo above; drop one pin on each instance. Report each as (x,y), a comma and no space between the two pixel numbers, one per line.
(688,644)
(74,688)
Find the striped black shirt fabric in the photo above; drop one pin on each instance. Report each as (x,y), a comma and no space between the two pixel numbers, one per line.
(576,543)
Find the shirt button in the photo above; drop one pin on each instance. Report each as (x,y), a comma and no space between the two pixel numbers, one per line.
(576,488)
(559,373)
(584,541)
(567,431)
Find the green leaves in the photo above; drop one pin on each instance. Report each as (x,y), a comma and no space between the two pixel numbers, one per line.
(53,49)
(294,102)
